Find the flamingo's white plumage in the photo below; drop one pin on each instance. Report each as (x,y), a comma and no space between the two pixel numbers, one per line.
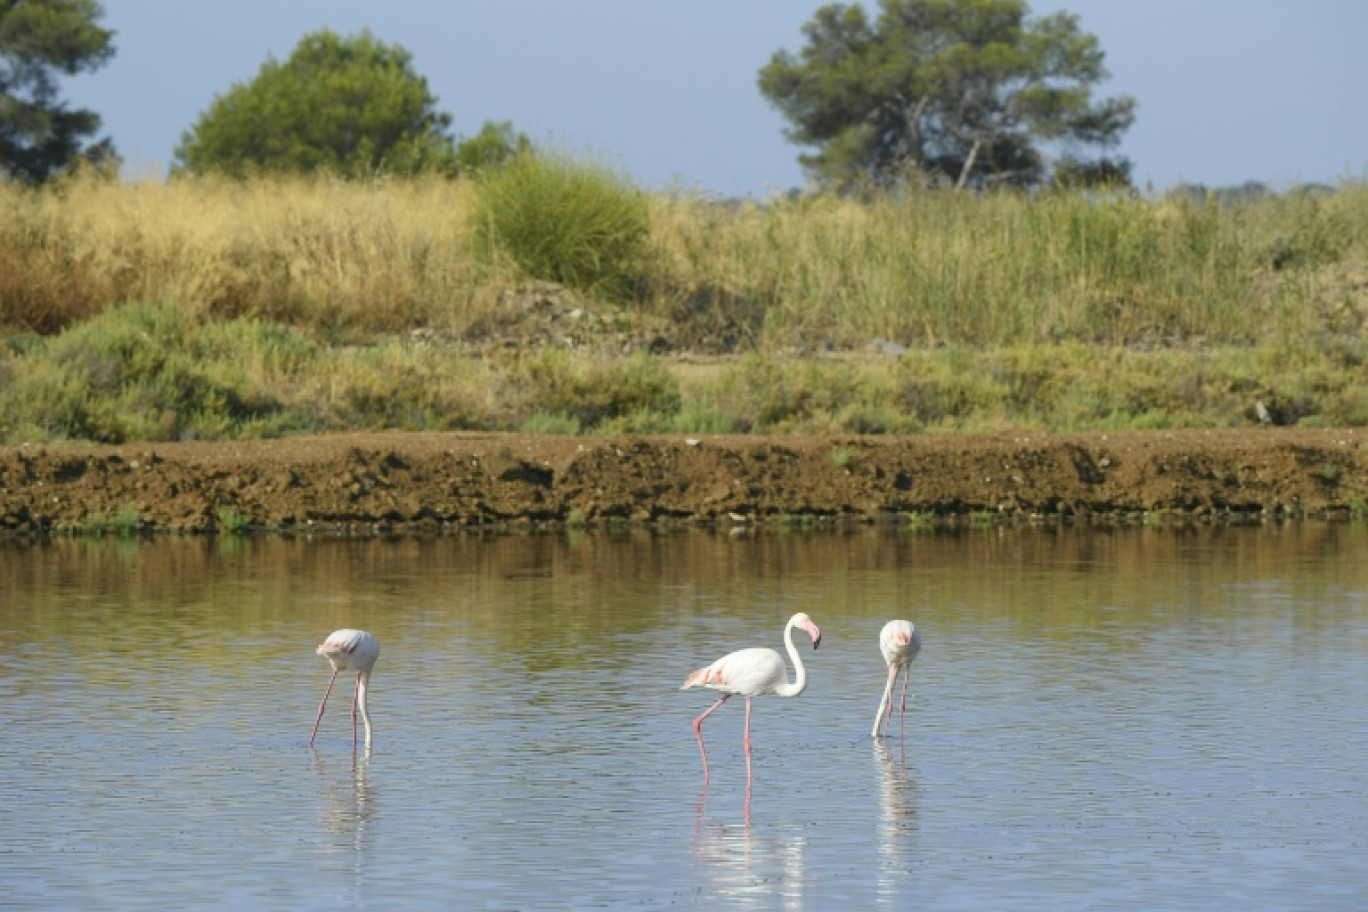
(751,673)
(899,641)
(349,650)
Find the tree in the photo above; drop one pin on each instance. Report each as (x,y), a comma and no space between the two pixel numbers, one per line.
(957,91)
(40,39)
(494,145)
(347,106)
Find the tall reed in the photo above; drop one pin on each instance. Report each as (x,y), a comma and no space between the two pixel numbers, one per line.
(924,268)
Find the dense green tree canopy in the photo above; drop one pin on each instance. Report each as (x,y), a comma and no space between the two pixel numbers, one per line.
(954,91)
(348,106)
(40,40)
(494,145)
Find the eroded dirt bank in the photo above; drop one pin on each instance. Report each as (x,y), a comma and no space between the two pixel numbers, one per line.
(374,483)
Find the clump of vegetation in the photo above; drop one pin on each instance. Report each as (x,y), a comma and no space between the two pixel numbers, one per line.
(232,520)
(129,520)
(930,268)
(396,384)
(565,219)
(917,520)
(147,372)
(493,147)
(592,394)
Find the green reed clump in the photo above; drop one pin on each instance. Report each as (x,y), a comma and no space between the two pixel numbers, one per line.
(564,219)
(232,521)
(932,268)
(595,393)
(94,524)
(1064,387)
(147,372)
(128,520)
(1309,229)
(403,385)
(552,425)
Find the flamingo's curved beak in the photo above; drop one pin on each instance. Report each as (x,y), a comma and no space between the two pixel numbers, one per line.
(815,634)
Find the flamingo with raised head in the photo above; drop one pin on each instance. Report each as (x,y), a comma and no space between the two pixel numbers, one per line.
(349,650)
(756,672)
(899,641)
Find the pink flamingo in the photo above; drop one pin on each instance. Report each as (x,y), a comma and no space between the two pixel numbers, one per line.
(753,673)
(350,650)
(899,641)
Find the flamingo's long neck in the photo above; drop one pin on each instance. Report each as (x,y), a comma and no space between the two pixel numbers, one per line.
(886,698)
(799,672)
(362,685)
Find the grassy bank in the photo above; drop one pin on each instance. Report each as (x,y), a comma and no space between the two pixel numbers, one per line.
(216,309)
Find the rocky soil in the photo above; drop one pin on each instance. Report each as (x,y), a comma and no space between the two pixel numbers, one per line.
(411,483)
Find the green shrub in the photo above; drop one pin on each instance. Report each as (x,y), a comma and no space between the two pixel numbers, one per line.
(593,393)
(565,220)
(697,416)
(494,146)
(407,387)
(128,520)
(551,425)
(232,520)
(146,372)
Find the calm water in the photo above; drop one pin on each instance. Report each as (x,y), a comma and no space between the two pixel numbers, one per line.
(1131,719)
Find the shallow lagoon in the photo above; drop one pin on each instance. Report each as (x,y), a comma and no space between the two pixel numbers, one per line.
(1127,718)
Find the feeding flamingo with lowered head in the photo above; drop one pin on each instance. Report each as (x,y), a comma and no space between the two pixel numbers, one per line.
(756,672)
(899,641)
(349,650)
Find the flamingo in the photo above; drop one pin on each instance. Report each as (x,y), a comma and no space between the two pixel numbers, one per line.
(350,650)
(899,641)
(753,673)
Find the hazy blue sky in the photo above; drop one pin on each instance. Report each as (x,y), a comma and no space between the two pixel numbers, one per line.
(1228,90)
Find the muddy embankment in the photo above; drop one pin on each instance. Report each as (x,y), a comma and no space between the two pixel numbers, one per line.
(395,482)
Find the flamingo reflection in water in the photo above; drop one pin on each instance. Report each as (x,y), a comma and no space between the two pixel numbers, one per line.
(898,825)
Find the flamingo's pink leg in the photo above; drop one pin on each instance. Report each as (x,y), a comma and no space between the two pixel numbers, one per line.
(698,731)
(321,705)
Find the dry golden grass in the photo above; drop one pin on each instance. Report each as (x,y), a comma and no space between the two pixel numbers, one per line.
(319,253)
